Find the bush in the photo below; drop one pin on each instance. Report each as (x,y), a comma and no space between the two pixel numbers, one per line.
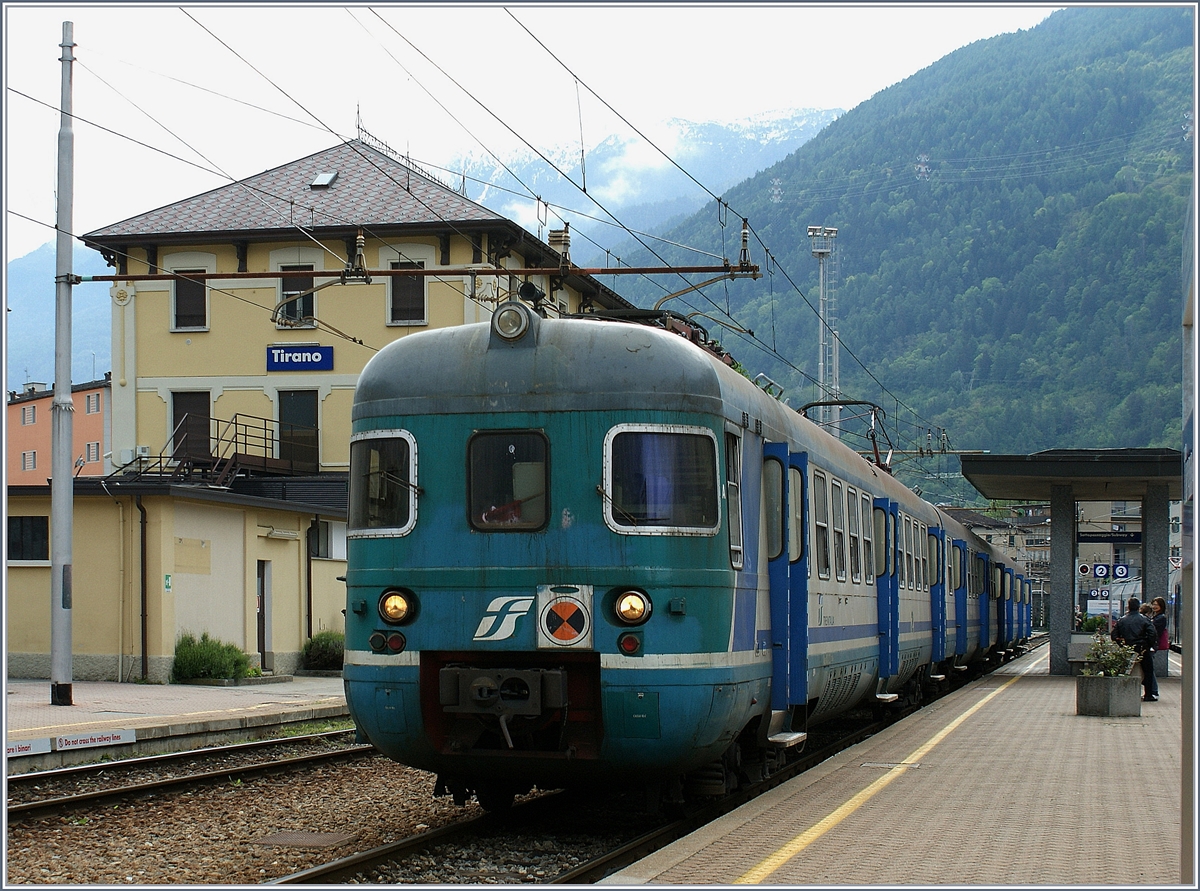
(324,651)
(1107,657)
(207,658)
(1093,624)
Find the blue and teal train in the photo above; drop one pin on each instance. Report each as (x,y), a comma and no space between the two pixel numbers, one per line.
(589,552)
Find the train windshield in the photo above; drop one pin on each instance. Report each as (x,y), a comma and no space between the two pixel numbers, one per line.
(508,480)
(382,488)
(662,480)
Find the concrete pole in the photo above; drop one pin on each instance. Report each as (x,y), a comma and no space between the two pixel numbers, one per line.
(1156,545)
(1062,576)
(62,481)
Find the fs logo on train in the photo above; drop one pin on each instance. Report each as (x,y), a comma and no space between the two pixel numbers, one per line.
(564,616)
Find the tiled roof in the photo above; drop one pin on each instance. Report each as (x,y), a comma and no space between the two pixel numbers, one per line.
(372,190)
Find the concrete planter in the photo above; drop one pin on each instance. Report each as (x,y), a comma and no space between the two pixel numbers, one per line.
(1112,697)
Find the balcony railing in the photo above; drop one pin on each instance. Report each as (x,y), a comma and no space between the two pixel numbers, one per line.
(214,451)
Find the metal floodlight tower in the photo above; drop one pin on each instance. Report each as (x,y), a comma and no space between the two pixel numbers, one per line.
(822,239)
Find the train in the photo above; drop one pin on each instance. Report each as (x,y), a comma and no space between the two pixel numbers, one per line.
(589,551)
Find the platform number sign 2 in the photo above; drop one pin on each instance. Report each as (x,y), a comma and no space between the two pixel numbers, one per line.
(1100,570)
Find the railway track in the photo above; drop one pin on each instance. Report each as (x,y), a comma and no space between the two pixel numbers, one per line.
(587,839)
(514,841)
(37,794)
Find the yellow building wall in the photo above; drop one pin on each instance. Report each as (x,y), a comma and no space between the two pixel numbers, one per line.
(201,575)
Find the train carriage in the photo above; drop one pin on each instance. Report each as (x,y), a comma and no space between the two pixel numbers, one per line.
(587,551)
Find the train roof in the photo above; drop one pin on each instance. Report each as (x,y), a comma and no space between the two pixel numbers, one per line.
(597,364)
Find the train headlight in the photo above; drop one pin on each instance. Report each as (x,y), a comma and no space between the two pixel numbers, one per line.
(632,607)
(511,321)
(397,606)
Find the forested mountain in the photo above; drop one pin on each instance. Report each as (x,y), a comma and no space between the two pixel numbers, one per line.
(1010,234)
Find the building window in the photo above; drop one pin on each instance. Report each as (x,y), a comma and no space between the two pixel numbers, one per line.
(28,538)
(93,452)
(91,404)
(29,460)
(28,415)
(406,305)
(296,311)
(191,300)
(328,540)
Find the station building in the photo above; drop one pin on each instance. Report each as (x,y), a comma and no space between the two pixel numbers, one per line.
(29,431)
(241,319)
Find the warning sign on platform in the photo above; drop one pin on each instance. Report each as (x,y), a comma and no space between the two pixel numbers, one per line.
(26,747)
(97,738)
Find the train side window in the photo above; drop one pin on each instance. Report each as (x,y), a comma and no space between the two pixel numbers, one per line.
(852,522)
(772,489)
(507,480)
(884,543)
(956,562)
(733,496)
(901,550)
(935,560)
(796,502)
(383,484)
(839,530)
(914,556)
(820,510)
(868,544)
(922,545)
(661,480)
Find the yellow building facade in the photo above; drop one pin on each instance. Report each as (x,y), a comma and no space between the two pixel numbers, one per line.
(241,319)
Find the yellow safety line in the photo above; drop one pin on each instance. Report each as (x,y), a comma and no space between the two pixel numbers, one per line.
(803,840)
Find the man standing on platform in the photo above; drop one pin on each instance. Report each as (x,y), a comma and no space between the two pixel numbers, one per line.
(1137,631)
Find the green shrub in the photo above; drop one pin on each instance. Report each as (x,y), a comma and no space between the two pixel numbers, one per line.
(1107,657)
(207,658)
(1093,624)
(324,651)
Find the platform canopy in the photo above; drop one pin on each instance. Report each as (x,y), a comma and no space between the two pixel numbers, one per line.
(1093,474)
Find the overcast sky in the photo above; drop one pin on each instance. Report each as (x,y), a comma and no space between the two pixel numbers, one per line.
(233,90)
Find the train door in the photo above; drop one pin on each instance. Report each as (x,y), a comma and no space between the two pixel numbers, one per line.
(1005,614)
(937,592)
(787,570)
(887,593)
(1028,608)
(1018,594)
(986,612)
(958,569)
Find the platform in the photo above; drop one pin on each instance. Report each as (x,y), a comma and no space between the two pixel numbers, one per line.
(998,783)
(134,719)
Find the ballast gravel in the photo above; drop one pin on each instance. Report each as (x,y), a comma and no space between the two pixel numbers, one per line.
(211,834)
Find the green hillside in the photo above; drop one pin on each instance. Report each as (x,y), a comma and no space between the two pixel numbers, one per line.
(1022,289)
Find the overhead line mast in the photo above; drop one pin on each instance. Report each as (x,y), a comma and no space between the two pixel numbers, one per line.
(823,248)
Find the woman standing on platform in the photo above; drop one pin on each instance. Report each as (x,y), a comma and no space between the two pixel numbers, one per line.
(1161,663)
